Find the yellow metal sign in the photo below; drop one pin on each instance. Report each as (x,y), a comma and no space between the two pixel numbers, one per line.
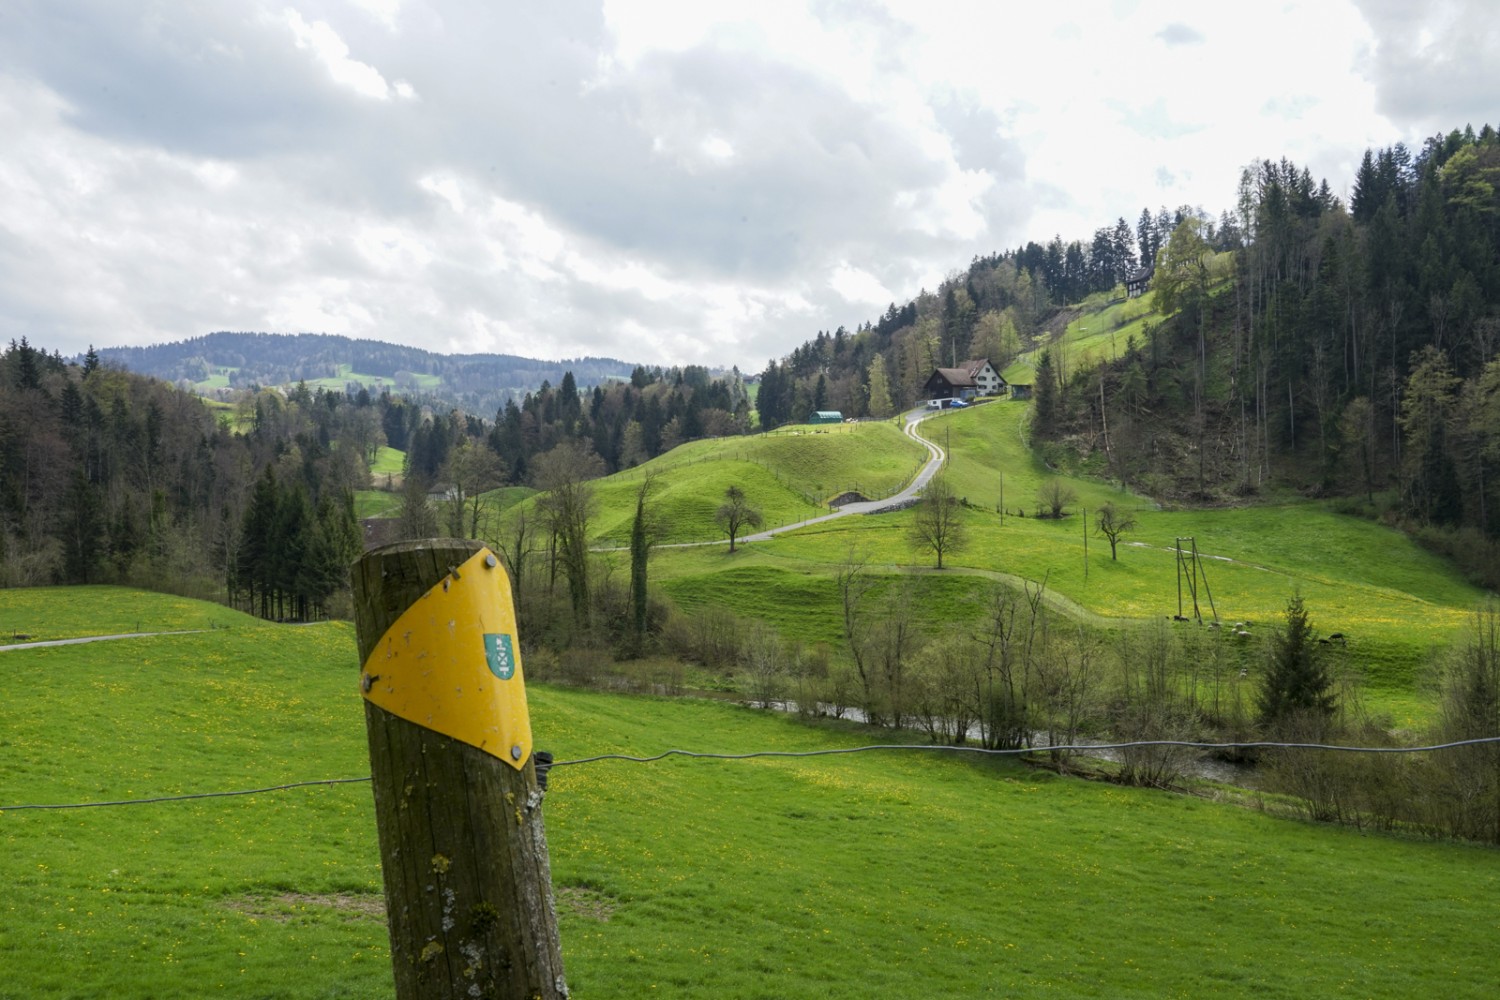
(451,663)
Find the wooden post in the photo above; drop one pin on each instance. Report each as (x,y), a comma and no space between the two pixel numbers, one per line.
(468,888)
(1085,545)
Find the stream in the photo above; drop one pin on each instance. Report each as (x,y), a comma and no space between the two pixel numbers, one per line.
(1200,766)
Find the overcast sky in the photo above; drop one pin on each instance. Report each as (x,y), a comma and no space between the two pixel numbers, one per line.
(667,182)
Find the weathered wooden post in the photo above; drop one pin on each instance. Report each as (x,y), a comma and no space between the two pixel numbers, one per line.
(468,888)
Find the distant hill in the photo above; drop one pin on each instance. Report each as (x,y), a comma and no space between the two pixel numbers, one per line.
(477,383)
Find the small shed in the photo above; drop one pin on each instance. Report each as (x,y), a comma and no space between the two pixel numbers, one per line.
(826,417)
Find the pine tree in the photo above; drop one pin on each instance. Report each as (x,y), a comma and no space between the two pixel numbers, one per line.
(880,405)
(1044,398)
(253,568)
(1297,694)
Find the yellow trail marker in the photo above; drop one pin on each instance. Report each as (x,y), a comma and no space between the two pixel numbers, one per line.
(451,663)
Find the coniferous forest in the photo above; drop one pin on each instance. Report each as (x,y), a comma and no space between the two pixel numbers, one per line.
(1344,350)
(113,477)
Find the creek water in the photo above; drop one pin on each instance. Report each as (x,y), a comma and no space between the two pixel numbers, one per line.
(1196,764)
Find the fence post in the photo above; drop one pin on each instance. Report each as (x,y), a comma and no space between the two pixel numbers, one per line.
(468,889)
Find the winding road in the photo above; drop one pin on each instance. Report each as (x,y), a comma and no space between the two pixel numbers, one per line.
(924,475)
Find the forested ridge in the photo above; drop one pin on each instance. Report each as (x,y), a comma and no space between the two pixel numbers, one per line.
(478,383)
(1335,350)
(107,476)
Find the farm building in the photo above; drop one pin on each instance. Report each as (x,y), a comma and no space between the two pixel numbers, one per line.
(1137,281)
(972,378)
(826,417)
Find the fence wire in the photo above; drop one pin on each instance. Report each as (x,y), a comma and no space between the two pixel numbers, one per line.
(826,752)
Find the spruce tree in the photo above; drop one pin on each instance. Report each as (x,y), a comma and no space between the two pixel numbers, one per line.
(1298,690)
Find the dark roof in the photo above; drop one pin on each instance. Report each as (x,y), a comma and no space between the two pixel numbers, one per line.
(956,377)
(1140,274)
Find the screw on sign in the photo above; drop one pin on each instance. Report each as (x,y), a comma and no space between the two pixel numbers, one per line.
(454,775)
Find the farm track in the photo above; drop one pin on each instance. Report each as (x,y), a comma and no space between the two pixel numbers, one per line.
(924,475)
(95,638)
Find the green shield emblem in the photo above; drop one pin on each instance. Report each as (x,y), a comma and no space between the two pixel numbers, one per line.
(500,654)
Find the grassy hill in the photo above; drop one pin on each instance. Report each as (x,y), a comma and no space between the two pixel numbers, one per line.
(1394,601)
(844,876)
(1102,325)
(788,475)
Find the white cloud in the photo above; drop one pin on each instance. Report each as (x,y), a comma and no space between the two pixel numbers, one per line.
(858,286)
(666,182)
(331,51)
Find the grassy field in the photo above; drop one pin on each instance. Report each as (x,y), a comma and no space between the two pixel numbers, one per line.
(375,383)
(902,875)
(376,503)
(218,380)
(787,475)
(388,461)
(1395,602)
(1104,326)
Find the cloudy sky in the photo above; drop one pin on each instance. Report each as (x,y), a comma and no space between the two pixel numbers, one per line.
(669,182)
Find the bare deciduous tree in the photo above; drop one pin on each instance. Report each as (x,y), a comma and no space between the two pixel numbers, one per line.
(1112,522)
(938,524)
(473,468)
(736,514)
(564,473)
(1053,498)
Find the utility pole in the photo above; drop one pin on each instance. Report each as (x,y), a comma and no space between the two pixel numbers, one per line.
(1085,545)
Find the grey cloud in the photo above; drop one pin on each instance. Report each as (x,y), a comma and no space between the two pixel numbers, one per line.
(1446,84)
(207,79)
(511,100)
(1177,33)
(1153,119)
(980,138)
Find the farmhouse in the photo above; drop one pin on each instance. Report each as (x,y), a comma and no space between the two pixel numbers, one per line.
(1137,281)
(970,379)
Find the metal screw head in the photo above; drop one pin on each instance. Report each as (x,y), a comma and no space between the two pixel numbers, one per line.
(491,561)
(515,753)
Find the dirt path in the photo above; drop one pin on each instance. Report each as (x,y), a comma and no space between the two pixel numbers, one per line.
(95,638)
(919,481)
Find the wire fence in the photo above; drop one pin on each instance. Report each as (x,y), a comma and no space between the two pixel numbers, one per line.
(932,748)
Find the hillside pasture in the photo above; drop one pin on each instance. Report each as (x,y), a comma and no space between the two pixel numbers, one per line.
(1105,323)
(388,462)
(1395,602)
(788,476)
(820,462)
(897,874)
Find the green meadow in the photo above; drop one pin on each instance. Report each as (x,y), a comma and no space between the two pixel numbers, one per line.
(901,874)
(788,475)
(1395,602)
(388,461)
(1104,325)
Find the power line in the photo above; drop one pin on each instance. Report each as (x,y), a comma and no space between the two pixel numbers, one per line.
(827,752)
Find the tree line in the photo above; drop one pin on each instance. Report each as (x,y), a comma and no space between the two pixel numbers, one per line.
(1346,351)
(478,383)
(110,477)
(998,306)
